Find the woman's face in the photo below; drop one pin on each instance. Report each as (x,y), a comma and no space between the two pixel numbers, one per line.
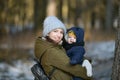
(56,35)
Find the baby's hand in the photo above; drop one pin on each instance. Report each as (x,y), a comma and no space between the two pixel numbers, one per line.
(88,67)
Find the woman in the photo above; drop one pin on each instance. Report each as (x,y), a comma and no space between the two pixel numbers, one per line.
(54,55)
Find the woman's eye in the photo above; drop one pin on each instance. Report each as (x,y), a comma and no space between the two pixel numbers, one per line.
(61,32)
(55,31)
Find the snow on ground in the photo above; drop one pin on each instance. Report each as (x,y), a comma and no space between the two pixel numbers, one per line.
(19,70)
(101,50)
(101,54)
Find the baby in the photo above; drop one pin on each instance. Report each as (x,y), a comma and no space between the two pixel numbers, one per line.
(74,46)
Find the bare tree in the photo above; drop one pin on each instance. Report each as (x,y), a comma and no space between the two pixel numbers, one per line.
(39,12)
(109,16)
(116,63)
(51,8)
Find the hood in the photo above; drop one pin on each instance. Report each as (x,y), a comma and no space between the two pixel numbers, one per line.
(41,46)
(79,33)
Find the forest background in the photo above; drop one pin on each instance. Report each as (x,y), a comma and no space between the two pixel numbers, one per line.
(21,23)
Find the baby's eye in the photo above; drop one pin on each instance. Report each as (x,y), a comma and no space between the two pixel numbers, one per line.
(69,37)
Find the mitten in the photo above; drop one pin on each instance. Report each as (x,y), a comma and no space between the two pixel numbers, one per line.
(88,67)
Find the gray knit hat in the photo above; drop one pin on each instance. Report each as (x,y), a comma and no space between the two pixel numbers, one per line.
(51,23)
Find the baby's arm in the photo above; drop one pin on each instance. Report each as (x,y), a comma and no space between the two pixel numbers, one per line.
(88,67)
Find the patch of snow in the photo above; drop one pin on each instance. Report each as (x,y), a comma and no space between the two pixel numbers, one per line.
(18,71)
(100,50)
(101,54)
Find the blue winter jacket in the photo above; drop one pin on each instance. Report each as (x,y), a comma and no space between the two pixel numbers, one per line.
(76,50)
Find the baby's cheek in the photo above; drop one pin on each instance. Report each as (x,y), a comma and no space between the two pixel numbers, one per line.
(74,40)
(69,41)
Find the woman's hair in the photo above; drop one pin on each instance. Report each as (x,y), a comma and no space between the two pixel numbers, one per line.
(52,41)
(49,39)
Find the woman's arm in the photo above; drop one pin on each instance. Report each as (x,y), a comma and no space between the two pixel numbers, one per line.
(60,60)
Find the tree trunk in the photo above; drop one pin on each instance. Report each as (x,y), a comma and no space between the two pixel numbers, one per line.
(39,12)
(59,10)
(77,13)
(69,8)
(116,63)
(109,16)
(87,25)
(51,8)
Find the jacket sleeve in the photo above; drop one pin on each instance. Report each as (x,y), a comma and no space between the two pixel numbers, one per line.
(61,61)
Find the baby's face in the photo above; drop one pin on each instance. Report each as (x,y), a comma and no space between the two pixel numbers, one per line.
(71,39)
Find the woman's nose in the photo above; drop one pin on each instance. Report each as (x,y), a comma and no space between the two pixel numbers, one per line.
(59,34)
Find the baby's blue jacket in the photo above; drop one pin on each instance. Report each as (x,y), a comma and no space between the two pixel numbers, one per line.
(76,50)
